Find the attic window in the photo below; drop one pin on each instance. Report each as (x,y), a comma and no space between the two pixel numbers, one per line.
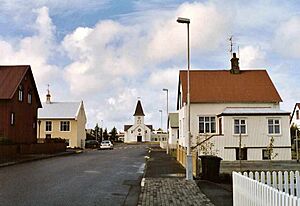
(29,97)
(20,97)
(12,118)
(297,114)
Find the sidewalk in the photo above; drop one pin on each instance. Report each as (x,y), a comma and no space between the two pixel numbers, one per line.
(34,157)
(164,183)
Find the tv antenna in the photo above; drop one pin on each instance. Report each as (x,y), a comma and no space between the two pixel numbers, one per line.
(231,44)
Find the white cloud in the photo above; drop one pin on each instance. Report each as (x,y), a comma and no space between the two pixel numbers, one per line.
(252,57)
(34,50)
(207,31)
(286,40)
(113,62)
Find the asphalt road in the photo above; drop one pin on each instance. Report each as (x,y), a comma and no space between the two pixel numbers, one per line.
(95,177)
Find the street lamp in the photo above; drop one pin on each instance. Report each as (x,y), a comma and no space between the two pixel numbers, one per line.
(160,118)
(189,163)
(166,90)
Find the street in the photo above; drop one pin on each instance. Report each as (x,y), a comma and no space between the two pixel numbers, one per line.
(95,177)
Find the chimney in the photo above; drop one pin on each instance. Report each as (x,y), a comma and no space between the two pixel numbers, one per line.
(48,97)
(235,69)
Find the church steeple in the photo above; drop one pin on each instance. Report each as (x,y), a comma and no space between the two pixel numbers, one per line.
(48,96)
(139,109)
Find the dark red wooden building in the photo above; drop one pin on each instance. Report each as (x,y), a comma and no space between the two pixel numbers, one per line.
(19,103)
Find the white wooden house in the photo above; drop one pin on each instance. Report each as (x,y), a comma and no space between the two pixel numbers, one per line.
(173,129)
(233,107)
(295,118)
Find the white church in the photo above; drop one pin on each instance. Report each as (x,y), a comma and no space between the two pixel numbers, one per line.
(138,132)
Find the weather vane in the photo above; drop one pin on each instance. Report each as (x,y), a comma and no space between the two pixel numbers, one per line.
(48,85)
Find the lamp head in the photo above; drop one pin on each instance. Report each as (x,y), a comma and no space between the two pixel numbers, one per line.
(183,20)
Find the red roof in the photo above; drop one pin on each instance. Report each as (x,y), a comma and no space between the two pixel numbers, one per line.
(210,86)
(10,79)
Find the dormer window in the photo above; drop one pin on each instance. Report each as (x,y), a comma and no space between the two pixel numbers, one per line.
(20,96)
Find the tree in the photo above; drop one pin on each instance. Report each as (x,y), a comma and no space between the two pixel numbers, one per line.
(101,135)
(113,134)
(96,131)
(105,134)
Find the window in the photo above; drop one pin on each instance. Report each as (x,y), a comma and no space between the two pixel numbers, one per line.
(266,154)
(297,114)
(207,124)
(48,126)
(240,126)
(65,126)
(12,118)
(29,97)
(273,126)
(20,98)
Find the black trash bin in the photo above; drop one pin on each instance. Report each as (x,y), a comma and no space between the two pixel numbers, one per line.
(210,167)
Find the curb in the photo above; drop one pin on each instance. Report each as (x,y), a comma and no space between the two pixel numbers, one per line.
(40,158)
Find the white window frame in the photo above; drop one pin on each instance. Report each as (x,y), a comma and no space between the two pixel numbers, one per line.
(29,98)
(273,124)
(46,126)
(20,93)
(60,126)
(209,122)
(240,119)
(12,118)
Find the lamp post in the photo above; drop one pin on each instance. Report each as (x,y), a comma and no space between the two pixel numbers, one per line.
(166,90)
(189,163)
(39,122)
(160,118)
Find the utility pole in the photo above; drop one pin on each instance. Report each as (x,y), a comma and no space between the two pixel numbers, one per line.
(240,150)
(166,90)
(297,149)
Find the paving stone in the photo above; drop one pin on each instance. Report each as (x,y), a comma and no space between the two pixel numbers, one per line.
(172,191)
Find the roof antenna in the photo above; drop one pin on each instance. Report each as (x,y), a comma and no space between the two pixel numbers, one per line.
(231,44)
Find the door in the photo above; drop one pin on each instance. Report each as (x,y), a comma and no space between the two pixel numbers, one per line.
(139,138)
(243,153)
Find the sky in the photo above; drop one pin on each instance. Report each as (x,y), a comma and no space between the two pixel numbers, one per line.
(111,53)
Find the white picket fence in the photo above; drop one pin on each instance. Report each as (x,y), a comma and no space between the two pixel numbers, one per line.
(264,189)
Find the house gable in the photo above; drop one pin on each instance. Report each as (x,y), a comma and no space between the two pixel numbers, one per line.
(11,77)
(296,107)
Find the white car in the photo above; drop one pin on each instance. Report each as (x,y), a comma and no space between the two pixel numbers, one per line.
(106,144)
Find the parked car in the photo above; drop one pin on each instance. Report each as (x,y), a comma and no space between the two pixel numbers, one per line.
(92,144)
(106,144)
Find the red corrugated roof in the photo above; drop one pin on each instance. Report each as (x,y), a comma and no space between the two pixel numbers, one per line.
(10,79)
(209,86)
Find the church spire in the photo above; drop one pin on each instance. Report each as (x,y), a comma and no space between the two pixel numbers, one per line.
(139,109)
(48,96)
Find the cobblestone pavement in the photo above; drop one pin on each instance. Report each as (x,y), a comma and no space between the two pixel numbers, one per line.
(171,191)
(164,183)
